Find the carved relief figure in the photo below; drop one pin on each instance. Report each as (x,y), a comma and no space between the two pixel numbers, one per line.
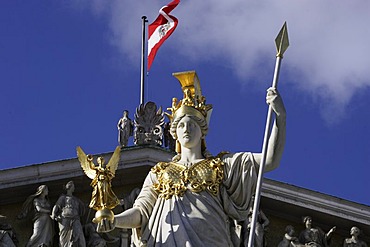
(189,201)
(43,227)
(261,226)
(67,212)
(93,238)
(128,201)
(148,125)
(289,239)
(125,129)
(7,235)
(314,236)
(354,241)
(5,239)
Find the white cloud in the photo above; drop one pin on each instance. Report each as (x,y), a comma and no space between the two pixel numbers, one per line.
(329,39)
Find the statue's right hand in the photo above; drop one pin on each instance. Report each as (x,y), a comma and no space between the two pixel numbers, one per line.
(105,225)
(274,99)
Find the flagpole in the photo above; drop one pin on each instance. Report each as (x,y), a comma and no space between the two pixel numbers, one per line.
(282,44)
(142,84)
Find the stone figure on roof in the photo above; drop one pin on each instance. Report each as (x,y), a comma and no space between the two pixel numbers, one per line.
(8,237)
(289,240)
(354,240)
(43,226)
(315,236)
(93,238)
(68,211)
(125,129)
(261,228)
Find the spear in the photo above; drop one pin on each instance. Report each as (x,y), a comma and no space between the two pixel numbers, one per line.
(282,43)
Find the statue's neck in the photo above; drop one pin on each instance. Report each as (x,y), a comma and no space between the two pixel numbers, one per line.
(354,238)
(192,155)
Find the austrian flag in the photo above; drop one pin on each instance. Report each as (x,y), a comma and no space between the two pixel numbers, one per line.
(161,29)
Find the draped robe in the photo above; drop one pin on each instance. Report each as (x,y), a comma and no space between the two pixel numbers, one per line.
(198,218)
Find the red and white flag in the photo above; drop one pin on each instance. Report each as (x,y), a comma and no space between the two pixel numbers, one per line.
(161,29)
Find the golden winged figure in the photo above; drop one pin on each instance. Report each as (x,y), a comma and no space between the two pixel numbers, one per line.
(102,197)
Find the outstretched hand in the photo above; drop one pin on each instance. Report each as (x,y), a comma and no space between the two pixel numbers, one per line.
(273,99)
(105,225)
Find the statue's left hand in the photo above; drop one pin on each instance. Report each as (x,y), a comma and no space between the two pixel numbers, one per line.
(273,99)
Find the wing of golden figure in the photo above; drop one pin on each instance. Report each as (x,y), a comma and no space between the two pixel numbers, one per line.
(85,164)
(114,160)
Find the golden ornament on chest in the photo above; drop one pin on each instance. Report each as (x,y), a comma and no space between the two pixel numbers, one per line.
(175,179)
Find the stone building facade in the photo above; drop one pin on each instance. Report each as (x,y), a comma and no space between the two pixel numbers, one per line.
(283,204)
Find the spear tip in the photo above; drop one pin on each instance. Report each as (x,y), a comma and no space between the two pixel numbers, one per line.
(282,41)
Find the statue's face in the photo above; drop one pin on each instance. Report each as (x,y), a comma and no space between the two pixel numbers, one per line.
(148,134)
(308,222)
(42,189)
(100,161)
(70,186)
(188,132)
(355,231)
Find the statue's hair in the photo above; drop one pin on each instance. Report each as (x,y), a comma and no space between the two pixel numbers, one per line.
(200,121)
(288,228)
(306,218)
(27,205)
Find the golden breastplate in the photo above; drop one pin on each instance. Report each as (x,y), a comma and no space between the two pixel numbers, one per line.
(175,179)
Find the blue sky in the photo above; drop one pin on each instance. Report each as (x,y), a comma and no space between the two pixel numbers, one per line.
(70,68)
